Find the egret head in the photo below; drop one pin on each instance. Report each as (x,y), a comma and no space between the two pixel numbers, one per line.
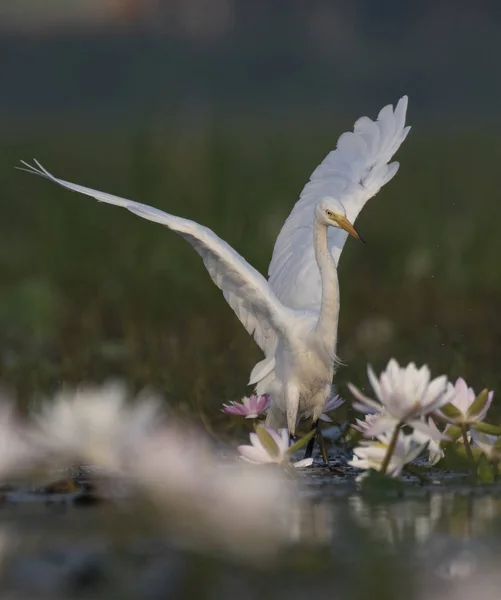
(331,213)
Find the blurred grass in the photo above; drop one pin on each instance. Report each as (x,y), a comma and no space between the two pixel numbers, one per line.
(89,292)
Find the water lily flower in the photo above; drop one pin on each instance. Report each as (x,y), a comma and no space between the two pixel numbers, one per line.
(204,502)
(191,495)
(16,452)
(404,396)
(275,452)
(371,454)
(433,438)
(250,408)
(465,406)
(369,421)
(94,425)
(269,446)
(486,443)
(331,404)
(175,482)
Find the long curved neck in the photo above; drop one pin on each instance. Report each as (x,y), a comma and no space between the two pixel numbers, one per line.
(329,308)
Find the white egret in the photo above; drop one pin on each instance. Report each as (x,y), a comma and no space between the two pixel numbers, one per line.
(294,315)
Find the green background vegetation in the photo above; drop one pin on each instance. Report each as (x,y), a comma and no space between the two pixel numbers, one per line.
(89,292)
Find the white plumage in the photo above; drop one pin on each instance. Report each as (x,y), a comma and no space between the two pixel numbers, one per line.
(293,316)
(354,172)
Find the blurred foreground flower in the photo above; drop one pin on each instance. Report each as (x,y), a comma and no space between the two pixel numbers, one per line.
(404,396)
(465,407)
(268,446)
(372,454)
(250,408)
(95,425)
(206,504)
(174,481)
(16,453)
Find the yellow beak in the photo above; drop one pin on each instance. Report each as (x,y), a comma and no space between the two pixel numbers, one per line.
(347,226)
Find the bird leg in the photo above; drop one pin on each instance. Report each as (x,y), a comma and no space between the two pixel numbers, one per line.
(311,442)
(321,443)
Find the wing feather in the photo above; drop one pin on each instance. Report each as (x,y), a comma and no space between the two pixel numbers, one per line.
(353,173)
(244,288)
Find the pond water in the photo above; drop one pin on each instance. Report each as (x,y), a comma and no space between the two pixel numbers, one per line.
(431,542)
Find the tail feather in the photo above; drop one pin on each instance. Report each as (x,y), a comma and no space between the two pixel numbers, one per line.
(262,370)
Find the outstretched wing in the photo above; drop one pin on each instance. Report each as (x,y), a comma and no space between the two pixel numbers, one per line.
(353,172)
(245,289)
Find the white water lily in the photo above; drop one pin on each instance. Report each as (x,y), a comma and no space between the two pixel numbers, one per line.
(404,396)
(433,438)
(257,454)
(464,410)
(372,454)
(269,446)
(370,419)
(486,443)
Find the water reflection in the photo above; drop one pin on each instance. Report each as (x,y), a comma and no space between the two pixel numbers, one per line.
(442,538)
(425,546)
(460,514)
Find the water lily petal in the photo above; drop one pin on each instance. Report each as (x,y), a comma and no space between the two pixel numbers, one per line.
(373,380)
(255,455)
(380,425)
(232,409)
(429,430)
(461,400)
(263,404)
(435,395)
(365,403)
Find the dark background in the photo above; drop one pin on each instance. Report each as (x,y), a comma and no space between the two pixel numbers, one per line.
(219,111)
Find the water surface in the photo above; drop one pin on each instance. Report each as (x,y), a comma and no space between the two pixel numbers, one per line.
(429,542)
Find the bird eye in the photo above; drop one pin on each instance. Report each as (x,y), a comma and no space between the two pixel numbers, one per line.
(330,213)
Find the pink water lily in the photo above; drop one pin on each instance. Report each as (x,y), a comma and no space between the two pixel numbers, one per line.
(462,398)
(250,408)
(331,404)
